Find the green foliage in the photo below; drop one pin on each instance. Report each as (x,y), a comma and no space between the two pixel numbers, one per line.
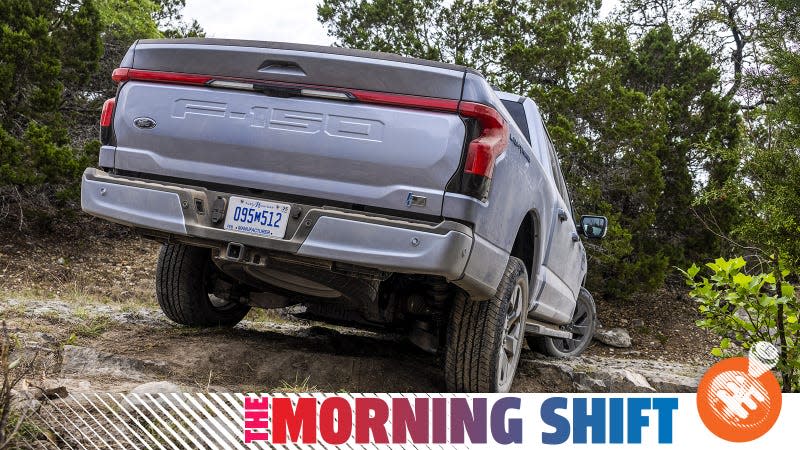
(610,135)
(385,25)
(767,169)
(771,161)
(29,82)
(700,124)
(56,57)
(130,18)
(123,23)
(645,118)
(53,162)
(10,159)
(47,49)
(771,201)
(79,45)
(171,22)
(521,44)
(744,309)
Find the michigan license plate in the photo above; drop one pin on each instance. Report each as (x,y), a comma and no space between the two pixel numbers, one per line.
(257,217)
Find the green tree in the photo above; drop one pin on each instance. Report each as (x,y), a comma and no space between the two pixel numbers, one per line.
(171,23)
(767,176)
(644,133)
(726,29)
(769,162)
(611,135)
(702,127)
(405,27)
(517,44)
(47,48)
(123,22)
(56,57)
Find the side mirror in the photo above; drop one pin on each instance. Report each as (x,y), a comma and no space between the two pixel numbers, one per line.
(593,227)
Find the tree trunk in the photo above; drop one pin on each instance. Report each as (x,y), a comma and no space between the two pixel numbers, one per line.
(784,363)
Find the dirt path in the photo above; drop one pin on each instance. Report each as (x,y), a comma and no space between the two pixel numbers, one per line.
(92,259)
(88,288)
(112,348)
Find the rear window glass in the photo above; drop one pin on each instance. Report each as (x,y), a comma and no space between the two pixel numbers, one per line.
(517,112)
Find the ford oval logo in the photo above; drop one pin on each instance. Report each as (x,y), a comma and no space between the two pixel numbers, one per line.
(144,123)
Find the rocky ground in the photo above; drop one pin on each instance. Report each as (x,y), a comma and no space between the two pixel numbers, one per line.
(87,305)
(96,347)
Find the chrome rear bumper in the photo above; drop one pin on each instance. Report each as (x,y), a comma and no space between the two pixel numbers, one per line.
(384,243)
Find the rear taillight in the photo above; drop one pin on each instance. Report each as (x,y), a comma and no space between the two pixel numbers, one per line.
(120,74)
(106,118)
(483,150)
(406,101)
(123,74)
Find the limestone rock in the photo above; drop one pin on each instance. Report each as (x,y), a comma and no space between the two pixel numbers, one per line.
(615,337)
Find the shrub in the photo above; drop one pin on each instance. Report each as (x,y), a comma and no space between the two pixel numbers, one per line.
(747,308)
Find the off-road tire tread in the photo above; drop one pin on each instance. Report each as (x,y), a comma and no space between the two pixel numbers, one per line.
(471,352)
(180,289)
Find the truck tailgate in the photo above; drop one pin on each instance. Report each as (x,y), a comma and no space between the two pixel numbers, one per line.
(354,153)
(374,155)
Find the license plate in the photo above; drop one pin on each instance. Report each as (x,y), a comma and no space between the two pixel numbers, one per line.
(258,217)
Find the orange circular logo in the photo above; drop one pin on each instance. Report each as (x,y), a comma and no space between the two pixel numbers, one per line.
(737,400)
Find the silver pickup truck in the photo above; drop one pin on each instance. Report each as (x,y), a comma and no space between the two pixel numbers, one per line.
(371,189)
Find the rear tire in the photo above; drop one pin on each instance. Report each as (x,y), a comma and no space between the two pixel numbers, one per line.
(582,325)
(183,280)
(484,338)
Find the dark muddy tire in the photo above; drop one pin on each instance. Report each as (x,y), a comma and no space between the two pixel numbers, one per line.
(183,280)
(582,325)
(484,338)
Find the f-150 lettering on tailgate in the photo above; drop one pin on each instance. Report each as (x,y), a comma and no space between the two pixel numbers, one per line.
(297,121)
